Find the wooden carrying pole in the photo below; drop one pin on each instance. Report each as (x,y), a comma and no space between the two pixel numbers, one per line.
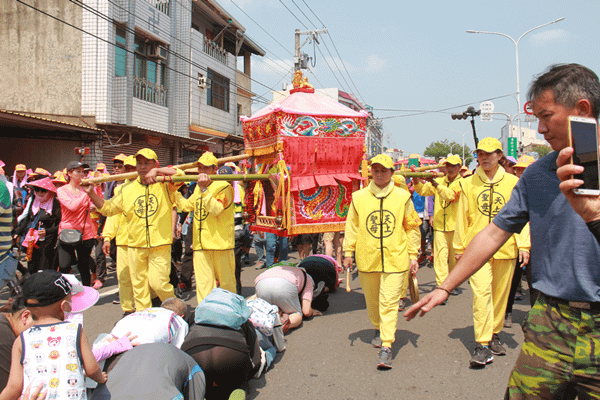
(410,174)
(133,175)
(428,167)
(224,177)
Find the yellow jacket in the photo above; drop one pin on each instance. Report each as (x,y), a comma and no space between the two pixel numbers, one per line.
(382,228)
(115,226)
(148,211)
(480,201)
(446,195)
(213,216)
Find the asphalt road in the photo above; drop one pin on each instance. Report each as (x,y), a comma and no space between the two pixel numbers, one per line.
(331,357)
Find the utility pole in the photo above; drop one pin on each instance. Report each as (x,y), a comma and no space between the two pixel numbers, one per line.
(301,59)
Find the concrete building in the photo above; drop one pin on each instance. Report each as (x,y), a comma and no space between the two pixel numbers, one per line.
(528,138)
(120,75)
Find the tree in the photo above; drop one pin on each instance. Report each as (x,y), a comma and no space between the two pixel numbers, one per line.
(541,150)
(441,149)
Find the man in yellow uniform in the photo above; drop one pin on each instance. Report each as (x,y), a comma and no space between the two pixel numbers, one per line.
(382,229)
(148,209)
(115,228)
(482,196)
(214,236)
(447,193)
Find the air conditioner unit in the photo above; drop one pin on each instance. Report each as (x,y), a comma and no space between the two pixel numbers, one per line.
(157,51)
(203,82)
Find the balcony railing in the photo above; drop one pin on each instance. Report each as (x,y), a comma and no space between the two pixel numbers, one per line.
(149,91)
(161,5)
(213,50)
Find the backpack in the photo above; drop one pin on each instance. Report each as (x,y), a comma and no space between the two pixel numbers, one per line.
(222,308)
(263,315)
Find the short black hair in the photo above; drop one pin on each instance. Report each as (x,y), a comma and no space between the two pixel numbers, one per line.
(569,83)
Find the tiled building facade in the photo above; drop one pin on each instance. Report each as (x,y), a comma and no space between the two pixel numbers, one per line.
(131,74)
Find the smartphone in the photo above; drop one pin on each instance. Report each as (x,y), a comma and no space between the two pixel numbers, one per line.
(584,140)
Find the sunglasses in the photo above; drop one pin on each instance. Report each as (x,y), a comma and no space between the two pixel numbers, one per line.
(39,190)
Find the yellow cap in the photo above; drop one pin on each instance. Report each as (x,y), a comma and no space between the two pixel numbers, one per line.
(384,160)
(130,160)
(208,159)
(120,157)
(147,153)
(454,160)
(100,167)
(489,145)
(20,167)
(59,178)
(41,171)
(524,161)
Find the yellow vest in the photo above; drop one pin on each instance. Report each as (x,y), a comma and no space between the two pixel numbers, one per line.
(446,195)
(213,216)
(148,211)
(382,229)
(480,201)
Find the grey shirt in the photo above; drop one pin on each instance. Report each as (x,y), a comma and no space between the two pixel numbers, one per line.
(153,371)
(565,256)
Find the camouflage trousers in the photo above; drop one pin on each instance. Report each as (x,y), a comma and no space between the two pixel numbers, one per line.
(560,357)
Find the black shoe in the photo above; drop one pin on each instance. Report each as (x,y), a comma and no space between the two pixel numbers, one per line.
(496,347)
(481,356)
(385,359)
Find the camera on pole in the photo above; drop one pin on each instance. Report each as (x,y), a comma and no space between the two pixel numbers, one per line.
(469,112)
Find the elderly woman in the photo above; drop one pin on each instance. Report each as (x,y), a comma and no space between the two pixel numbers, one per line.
(75,206)
(42,215)
(290,289)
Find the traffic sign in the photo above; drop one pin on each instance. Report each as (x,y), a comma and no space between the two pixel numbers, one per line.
(512,147)
(527,108)
(486,107)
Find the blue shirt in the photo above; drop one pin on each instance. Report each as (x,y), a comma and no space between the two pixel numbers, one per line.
(565,256)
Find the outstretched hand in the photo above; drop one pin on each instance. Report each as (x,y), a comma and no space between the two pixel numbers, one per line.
(437,297)
(588,207)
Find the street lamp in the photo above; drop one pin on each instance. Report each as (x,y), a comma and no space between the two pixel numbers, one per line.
(463,146)
(516,43)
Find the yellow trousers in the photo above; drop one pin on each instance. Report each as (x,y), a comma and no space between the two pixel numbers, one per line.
(490,286)
(213,265)
(443,255)
(124,278)
(382,293)
(150,268)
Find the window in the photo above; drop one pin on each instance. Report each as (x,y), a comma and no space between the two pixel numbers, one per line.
(218,91)
(149,72)
(120,52)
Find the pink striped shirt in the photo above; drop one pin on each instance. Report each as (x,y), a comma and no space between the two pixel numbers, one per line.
(75,208)
(290,274)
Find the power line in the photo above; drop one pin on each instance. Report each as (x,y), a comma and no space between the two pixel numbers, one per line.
(184,59)
(264,30)
(294,15)
(443,110)
(337,52)
(327,48)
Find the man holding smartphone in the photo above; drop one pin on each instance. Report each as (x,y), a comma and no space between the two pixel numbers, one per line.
(560,357)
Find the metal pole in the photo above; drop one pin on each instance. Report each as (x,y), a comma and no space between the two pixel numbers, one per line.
(297,56)
(516,43)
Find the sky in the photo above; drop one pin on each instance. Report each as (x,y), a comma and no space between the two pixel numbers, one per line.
(414,62)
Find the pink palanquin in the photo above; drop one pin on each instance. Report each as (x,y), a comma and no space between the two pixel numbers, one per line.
(322,144)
